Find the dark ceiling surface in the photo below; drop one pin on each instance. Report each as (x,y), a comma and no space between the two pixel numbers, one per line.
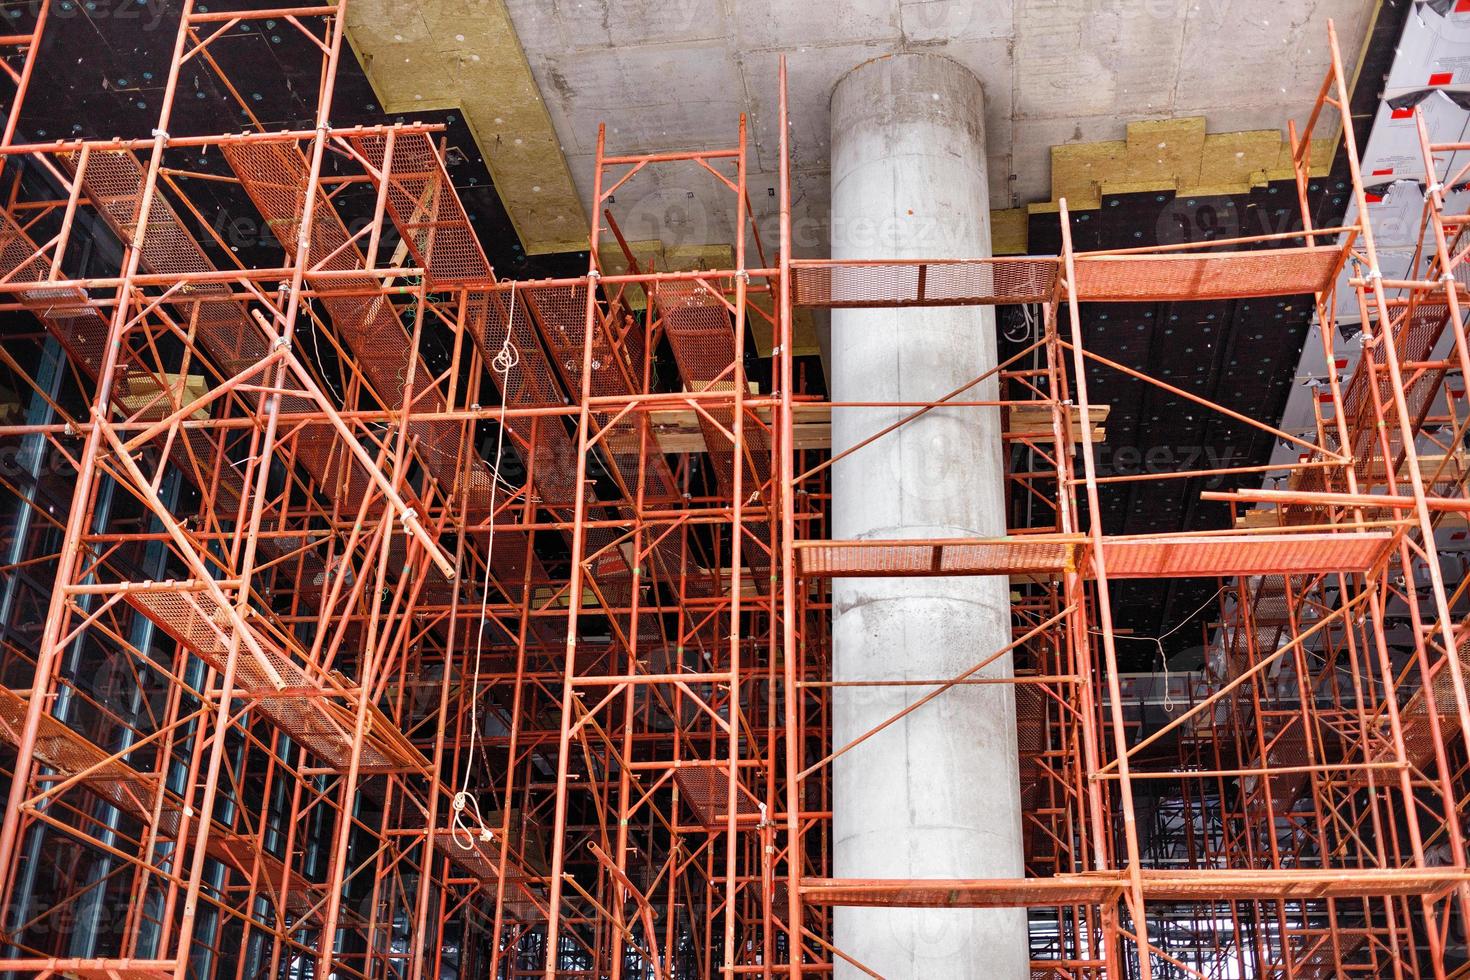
(1241,355)
(103,70)
(102,74)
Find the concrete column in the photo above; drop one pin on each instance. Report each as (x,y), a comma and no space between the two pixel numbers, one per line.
(936,795)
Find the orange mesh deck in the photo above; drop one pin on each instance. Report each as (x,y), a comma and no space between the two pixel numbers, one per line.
(963,282)
(1031,744)
(426,210)
(1090,888)
(134,792)
(481,860)
(1415,720)
(971,893)
(320,720)
(1231,555)
(201,625)
(425,207)
(71,754)
(242,855)
(323,723)
(82,331)
(707,791)
(1321,957)
(960,556)
(1172,556)
(275,177)
(1161,278)
(701,333)
(103,969)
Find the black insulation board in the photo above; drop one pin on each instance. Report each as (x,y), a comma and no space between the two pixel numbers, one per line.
(1242,355)
(102,72)
(1239,354)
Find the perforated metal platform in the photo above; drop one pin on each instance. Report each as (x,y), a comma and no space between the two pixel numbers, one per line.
(1165,556)
(962,282)
(959,556)
(481,860)
(71,754)
(1230,555)
(198,621)
(319,718)
(1158,886)
(1183,277)
(110,969)
(241,854)
(975,893)
(478,857)
(707,791)
(323,723)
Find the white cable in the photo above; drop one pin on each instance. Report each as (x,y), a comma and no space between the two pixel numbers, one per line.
(464,800)
(316,346)
(1159,642)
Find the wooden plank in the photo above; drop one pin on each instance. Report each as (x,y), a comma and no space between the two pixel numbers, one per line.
(678,431)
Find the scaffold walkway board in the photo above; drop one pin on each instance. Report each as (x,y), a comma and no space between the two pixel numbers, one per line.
(73,757)
(109,969)
(136,793)
(836,284)
(1091,888)
(477,857)
(1016,555)
(248,859)
(1104,278)
(480,859)
(1233,555)
(1159,278)
(1164,556)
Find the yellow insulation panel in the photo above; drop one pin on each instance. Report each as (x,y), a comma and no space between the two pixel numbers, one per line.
(465,56)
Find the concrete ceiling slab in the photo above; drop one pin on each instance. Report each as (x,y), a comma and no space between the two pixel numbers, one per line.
(619,86)
(1278,54)
(948,21)
(770,24)
(1088,59)
(675,74)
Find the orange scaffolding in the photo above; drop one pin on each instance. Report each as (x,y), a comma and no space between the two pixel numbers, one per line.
(478,645)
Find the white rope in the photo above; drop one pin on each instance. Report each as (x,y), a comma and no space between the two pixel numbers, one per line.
(465,802)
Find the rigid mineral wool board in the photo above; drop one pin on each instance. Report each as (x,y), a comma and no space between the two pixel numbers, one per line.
(465,55)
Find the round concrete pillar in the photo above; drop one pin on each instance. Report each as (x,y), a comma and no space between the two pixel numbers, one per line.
(937,794)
